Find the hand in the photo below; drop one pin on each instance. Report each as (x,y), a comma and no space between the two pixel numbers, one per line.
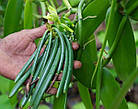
(16,49)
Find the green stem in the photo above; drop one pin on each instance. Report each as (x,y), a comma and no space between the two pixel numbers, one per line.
(80,21)
(67,4)
(71,11)
(132,8)
(61,9)
(52,3)
(56,3)
(98,85)
(127,84)
(116,41)
(109,24)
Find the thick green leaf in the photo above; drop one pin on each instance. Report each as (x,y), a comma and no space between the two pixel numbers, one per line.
(85,96)
(5,102)
(132,105)
(43,107)
(28,18)
(88,55)
(124,57)
(60,103)
(12,16)
(90,24)
(4,88)
(74,2)
(79,105)
(133,14)
(109,89)
(14,99)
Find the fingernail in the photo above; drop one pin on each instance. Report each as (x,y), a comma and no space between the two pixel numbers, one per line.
(77,64)
(75,45)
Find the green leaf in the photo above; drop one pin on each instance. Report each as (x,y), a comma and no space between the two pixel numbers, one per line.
(92,18)
(28,18)
(124,57)
(60,103)
(124,89)
(88,57)
(85,96)
(43,107)
(14,99)
(132,105)
(12,16)
(109,90)
(5,102)
(4,88)
(90,24)
(130,5)
(79,105)
(74,2)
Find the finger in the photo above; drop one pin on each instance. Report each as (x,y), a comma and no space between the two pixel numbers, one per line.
(52,91)
(43,49)
(37,32)
(77,64)
(60,77)
(75,46)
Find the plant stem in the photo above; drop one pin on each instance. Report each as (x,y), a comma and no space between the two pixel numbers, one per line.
(132,8)
(116,41)
(80,21)
(71,11)
(109,24)
(56,3)
(127,84)
(67,4)
(61,9)
(52,3)
(98,85)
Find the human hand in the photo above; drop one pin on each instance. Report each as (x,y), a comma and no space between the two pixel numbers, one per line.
(16,49)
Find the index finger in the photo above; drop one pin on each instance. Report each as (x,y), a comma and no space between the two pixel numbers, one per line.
(37,32)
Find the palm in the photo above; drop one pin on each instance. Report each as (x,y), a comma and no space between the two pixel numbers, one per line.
(17,48)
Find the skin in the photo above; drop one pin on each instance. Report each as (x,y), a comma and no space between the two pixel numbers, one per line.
(16,49)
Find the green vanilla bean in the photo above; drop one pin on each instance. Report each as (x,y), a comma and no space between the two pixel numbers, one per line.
(40,67)
(46,70)
(47,80)
(109,24)
(19,83)
(115,43)
(45,36)
(64,73)
(25,67)
(47,53)
(22,80)
(126,85)
(62,52)
(70,66)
